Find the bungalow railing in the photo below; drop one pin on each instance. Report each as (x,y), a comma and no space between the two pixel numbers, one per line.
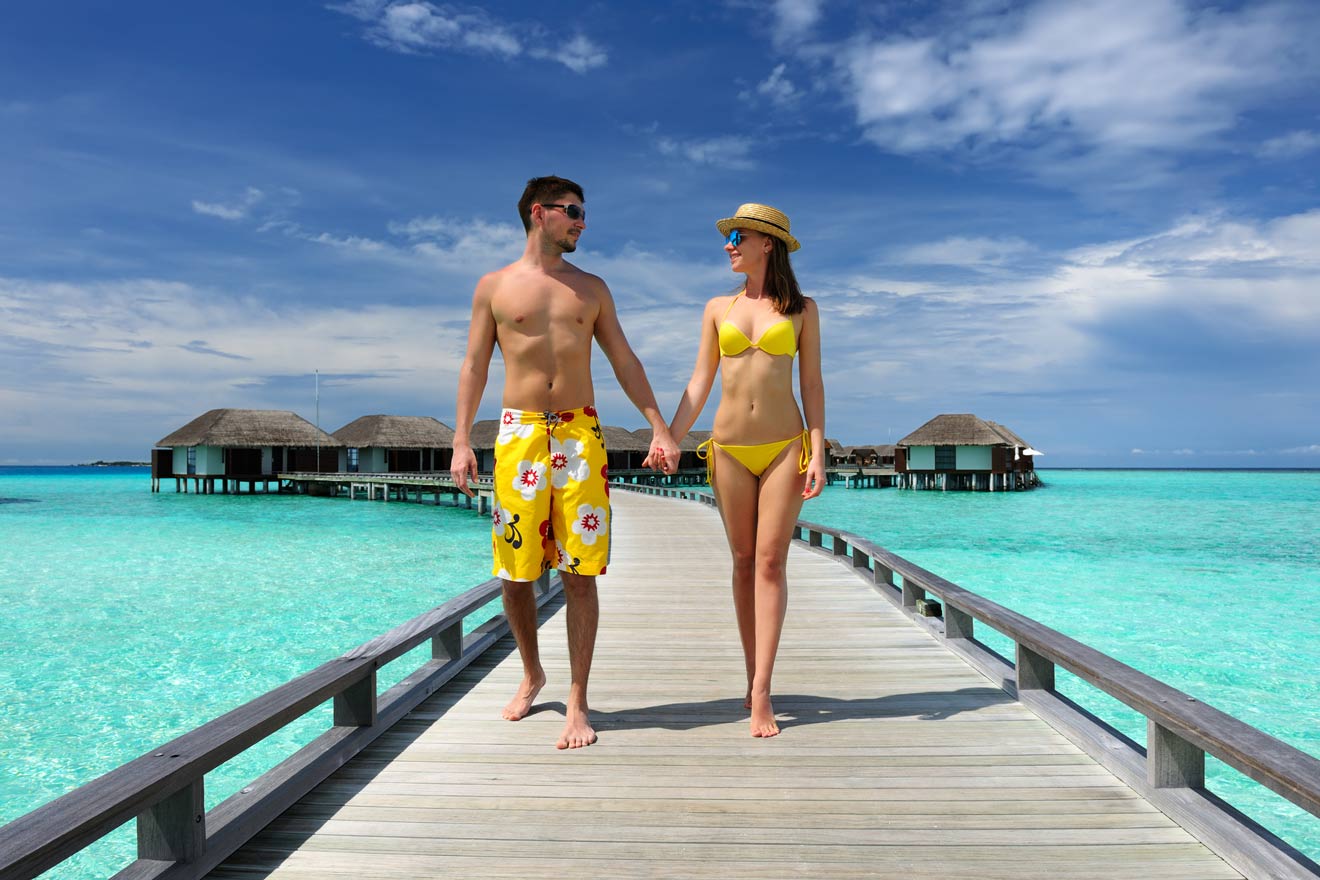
(177,837)
(1180,730)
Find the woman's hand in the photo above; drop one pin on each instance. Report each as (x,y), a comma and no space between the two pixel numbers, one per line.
(815,483)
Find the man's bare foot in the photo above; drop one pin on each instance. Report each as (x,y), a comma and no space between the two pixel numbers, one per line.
(577,731)
(763,718)
(522,701)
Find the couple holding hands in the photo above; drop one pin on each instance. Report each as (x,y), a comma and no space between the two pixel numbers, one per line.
(551,481)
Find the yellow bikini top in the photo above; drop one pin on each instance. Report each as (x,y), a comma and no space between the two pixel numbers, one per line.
(778,338)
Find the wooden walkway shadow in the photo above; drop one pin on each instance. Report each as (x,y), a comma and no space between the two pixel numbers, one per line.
(896,758)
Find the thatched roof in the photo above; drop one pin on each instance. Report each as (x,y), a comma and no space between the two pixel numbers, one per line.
(688,444)
(396,432)
(483,433)
(622,440)
(249,428)
(961,429)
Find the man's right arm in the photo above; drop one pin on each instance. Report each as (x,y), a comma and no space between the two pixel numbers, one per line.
(472,382)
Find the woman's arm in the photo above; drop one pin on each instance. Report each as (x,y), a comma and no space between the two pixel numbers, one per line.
(703,377)
(813,397)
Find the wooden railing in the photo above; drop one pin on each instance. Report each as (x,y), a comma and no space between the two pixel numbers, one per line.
(176,837)
(1180,730)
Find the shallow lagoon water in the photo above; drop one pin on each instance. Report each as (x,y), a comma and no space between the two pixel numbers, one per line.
(132,617)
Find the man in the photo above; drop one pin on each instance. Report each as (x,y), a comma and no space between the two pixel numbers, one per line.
(551,492)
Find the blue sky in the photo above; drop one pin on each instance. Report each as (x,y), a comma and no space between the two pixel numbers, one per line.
(1097,223)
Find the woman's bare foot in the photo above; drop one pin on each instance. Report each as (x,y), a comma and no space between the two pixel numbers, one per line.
(522,701)
(578,731)
(747,700)
(763,718)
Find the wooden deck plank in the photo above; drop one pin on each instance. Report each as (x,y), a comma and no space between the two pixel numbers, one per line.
(896,758)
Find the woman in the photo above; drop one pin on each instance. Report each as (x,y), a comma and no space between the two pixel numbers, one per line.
(762,463)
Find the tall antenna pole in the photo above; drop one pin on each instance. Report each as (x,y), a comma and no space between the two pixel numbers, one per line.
(318,421)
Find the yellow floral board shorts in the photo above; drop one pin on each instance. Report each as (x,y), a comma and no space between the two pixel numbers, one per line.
(552,495)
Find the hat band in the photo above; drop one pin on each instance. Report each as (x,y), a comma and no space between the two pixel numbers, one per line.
(766,222)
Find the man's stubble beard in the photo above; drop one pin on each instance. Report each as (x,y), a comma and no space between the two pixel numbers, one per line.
(567,245)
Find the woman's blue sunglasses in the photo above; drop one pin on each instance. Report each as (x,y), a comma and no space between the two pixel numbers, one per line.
(734,237)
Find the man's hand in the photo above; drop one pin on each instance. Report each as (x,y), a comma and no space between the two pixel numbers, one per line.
(463,465)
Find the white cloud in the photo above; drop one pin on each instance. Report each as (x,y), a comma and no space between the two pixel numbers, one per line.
(1070,84)
(795,18)
(778,87)
(1291,145)
(579,54)
(420,27)
(1313,449)
(729,151)
(234,211)
(959,251)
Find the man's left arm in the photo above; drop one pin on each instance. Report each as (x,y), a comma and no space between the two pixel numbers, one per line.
(632,378)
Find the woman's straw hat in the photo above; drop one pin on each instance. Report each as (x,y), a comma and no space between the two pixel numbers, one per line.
(762,218)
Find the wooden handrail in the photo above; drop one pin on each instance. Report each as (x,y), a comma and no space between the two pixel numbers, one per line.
(1181,729)
(163,788)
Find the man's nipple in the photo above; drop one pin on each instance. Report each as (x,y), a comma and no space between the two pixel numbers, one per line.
(518,319)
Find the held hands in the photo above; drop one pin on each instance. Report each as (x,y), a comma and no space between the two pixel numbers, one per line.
(815,481)
(663,456)
(463,465)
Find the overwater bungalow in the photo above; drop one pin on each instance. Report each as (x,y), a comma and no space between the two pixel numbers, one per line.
(395,445)
(963,451)
(233,446)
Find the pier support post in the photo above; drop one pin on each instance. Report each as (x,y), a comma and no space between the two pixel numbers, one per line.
(911,593)
(174,830)
(447,645)
(957,623)
(1171,761)
(356,705)
(1034,672)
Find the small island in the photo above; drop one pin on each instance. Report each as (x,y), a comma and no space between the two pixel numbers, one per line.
(114,464)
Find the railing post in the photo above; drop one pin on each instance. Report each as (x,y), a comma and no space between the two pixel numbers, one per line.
(174,829)
(861,560)
(355,706)
(814,537)
(957,623)
(911,593)
(447,645)
(882,574)
(840,545)
(1034,672)
(1171,761)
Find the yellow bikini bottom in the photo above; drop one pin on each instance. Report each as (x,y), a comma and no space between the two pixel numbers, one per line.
(755,458)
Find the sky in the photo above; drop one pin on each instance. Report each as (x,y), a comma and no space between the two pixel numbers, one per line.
(1096,223)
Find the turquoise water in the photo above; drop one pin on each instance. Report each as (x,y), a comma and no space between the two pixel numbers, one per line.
(1207,580)
(132,617)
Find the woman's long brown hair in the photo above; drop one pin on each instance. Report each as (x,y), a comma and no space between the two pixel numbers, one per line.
(781,285)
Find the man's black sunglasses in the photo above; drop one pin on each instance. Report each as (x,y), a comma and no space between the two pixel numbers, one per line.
(571,211)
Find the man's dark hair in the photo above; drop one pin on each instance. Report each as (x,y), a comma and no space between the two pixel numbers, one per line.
(545,190)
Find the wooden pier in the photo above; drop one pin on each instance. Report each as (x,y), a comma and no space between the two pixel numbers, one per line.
(908,749)
(387,487)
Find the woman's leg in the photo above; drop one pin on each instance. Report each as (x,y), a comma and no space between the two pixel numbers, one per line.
(779,503)
(736,490)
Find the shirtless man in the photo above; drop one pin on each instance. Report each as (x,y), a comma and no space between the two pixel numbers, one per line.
(551,493)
